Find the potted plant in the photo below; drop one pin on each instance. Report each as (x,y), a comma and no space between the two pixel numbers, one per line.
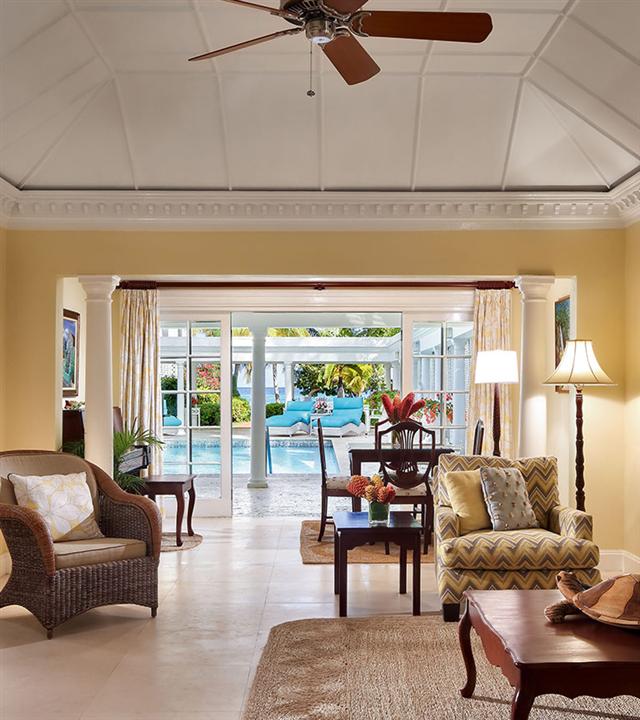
(376,493)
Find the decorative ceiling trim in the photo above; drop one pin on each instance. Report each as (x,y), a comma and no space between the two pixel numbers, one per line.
(295,210)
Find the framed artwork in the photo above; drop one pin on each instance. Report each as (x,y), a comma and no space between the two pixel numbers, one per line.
(70,352)
(562,327)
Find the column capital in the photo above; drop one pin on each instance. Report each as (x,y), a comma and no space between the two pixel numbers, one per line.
(535,287)
(99,287)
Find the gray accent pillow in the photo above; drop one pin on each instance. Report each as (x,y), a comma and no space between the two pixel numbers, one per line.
(508,504)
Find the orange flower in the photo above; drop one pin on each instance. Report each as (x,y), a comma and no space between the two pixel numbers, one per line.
(370,493)
(385,494)
(357,485)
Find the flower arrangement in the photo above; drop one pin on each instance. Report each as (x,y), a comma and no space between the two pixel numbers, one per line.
(376,493)
(322,406)
(399,409)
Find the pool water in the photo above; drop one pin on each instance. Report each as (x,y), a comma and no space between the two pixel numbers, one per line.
(288,457)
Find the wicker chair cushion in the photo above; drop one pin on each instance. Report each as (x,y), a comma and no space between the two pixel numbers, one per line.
(77,553)
(44,464)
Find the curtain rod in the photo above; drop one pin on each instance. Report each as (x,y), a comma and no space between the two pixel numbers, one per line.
(319,285)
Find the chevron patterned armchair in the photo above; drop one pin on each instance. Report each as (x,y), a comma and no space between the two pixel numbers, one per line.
(520,559)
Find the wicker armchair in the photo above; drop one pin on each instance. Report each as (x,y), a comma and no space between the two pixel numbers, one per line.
(58,580)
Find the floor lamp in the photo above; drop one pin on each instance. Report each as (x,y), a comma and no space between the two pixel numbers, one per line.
(579,367)
(496,367)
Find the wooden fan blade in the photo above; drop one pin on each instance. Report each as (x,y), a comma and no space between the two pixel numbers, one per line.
(256,6)
(246,44)
(451,26)
(350,59)
(345,7)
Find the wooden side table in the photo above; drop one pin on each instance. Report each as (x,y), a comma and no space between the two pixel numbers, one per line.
(577,657)
(176,485)
(352,529)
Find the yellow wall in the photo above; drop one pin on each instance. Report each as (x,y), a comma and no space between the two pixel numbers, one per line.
(3,306)
(38,259)
(632,424)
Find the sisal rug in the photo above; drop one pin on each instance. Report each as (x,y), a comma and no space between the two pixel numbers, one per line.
(188,542)
(392,668)
(315,553)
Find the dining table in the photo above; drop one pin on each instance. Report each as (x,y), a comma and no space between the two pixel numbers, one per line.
(370,454)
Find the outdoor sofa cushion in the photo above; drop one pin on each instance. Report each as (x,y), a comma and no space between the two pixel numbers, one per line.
(288,419)
(76,553)
(300,406)
(348,404)
(534,549)
(340,418)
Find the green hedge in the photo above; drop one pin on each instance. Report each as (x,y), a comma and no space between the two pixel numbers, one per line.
(274,408)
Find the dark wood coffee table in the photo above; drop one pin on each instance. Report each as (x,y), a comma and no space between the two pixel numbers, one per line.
(176,485)
(352,529)
(577,657)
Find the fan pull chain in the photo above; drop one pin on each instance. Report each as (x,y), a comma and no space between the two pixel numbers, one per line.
(311,92)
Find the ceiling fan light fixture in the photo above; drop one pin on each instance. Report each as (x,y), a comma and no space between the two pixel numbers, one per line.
(320,31)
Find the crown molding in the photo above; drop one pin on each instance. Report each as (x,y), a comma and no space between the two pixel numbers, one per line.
(309,210)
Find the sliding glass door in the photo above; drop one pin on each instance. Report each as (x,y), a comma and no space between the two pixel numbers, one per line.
(195,374)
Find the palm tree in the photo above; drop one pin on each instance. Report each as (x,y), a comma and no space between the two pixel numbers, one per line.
(348,378)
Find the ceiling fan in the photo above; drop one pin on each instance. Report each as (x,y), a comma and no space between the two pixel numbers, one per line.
(334,25)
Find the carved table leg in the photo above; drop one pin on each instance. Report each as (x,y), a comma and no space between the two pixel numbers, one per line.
(417,566)
(521,704)
(464,635)
(192,504)
(179,516)
(343,578)
(336,562)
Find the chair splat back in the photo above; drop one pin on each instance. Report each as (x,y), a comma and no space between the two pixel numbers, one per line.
(400,467)
(478,438)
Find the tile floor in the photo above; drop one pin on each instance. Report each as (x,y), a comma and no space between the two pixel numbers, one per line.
(195,661)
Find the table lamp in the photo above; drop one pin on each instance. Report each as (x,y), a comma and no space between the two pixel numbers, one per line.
(578,367)
(496,367)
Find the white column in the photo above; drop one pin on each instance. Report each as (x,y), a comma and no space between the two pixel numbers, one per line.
(387,375)
(258,400)
(98,416)
(395,376)
(534,364)
(288,381)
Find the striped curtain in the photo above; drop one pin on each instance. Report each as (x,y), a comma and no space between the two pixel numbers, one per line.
(140,395)
(491,331)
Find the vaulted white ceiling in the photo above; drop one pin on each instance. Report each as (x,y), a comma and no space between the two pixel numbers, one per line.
(98,94)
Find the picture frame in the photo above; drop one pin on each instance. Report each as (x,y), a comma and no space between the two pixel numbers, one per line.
(70,353)
(562,331)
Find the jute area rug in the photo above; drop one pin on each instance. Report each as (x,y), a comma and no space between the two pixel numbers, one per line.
(321,553)
(391,668)
(188,542)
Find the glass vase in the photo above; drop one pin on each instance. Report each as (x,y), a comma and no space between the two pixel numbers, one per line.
(378,514)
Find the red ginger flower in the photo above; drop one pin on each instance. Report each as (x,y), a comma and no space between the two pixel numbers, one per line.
(385,494)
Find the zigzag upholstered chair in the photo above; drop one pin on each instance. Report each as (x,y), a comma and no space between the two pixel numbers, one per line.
(58,580)
(513,559)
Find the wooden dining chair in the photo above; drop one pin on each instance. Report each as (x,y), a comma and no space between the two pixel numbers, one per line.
(402,470)
(478,438)
(332,486)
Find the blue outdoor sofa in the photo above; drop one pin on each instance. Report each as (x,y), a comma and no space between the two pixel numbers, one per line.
(346,418)
(295,419)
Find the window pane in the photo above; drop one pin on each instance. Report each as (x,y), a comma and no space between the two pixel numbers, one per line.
(205,375)
(427,374)
(459,338)
(431,414)
(457,408)
(205,410)
(173,338)
(205,339)
(427,339)
(205,444)
(174,413)
(455,439)
(458,371)
(173,375)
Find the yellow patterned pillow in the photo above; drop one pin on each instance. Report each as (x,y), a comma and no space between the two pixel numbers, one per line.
(64,501)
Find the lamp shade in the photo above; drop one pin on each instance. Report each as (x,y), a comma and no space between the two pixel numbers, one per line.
(578,366)
(496,366)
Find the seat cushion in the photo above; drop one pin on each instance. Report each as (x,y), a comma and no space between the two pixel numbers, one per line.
(337,483)
(76,553)
(418,491)
(534,549)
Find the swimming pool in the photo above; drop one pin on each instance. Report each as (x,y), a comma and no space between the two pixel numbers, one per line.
(288,457)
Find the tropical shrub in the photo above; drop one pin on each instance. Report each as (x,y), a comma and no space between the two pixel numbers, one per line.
(168,382)
(240,410)
(274,408)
